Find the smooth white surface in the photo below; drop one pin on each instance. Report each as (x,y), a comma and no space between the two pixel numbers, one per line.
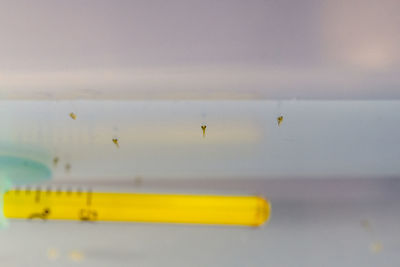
(163,139)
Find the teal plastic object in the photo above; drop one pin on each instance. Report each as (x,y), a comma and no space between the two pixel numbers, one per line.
(17,171)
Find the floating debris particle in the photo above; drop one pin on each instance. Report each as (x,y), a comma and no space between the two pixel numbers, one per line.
(67,167)
(52,254)
(203,127)
(376,247)
(138,181)
(55,161)
(72,115)
(76,255)
(115,141)
(279,120)
(366,224)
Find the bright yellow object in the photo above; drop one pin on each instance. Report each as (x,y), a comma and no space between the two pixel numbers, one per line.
(127,207)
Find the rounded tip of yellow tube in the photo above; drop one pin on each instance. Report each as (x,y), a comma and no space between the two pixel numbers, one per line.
(264,211)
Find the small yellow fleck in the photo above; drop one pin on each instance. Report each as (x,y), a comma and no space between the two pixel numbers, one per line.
(203,127)
(55,161)
(76,256)
(376,247)
(279,120)
(72,115)
(115,141)
(52,254)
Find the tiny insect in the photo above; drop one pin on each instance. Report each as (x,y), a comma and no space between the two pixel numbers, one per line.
(279,120)
(115,141)
(72,115)
(203,127)
(55,161)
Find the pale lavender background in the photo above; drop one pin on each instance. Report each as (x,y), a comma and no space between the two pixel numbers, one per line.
(224,49)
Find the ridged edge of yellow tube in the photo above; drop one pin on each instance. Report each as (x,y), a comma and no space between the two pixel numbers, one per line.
(264,213)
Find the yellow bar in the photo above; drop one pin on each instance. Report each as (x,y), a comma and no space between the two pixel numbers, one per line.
(128,207)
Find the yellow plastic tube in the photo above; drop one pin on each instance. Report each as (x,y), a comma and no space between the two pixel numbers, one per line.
(128,207)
